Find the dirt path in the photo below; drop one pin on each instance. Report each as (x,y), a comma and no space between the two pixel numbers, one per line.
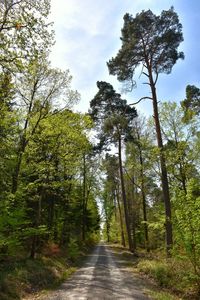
(101,277)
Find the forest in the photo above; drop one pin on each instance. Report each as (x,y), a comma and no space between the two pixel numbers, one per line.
(69,179)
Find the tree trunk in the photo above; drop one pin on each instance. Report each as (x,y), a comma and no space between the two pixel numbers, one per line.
(108,231)
(127,221)
(143,199)
(121,220)
(22,147)
(15,176)
(33,247)
(164,178)
(35,239)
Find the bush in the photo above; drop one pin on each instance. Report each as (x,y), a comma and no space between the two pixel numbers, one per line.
(73,250)
(175,274)
(157,270)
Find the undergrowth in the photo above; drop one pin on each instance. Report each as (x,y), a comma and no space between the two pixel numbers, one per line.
(23,276)
(165,278)
(173,274)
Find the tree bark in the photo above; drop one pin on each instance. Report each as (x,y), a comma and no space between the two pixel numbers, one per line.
(127,221)
(35,238)
(143,199)
(164,178)
(121,220)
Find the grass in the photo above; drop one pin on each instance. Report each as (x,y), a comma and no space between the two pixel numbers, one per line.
(173,274)
(20,277)
(160,295)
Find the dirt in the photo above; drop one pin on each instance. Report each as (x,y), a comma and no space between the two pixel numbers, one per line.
(104,275)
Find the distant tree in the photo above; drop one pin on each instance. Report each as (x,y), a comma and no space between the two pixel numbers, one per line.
(89,185)
(150,41)
(191,104)
(111,195)
(138,151)
(113,116)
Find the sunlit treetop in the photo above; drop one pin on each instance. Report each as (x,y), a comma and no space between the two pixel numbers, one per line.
(149,41)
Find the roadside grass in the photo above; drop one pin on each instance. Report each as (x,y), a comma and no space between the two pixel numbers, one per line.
(165,278)
(161,295)
(20,277)
(173,275)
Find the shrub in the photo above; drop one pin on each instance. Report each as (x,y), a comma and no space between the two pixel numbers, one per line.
(157,270)
(73,250)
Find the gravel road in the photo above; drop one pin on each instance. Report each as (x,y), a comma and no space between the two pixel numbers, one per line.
(102,276)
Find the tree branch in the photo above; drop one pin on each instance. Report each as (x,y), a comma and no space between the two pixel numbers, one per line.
(145,74)
(6,14)
(156,77)
(143,98)
(133,181)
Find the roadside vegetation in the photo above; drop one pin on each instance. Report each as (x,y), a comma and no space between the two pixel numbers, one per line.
(163,278)
(25,278)
(174,277)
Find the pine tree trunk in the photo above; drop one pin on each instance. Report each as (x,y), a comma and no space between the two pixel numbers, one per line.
(164,178)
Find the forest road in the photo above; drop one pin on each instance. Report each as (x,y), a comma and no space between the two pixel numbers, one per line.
(103,276)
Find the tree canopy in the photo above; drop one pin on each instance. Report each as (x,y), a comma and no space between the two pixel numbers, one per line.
(149,41)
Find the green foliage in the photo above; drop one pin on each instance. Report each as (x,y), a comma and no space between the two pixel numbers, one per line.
(191,103)
(49,182)
(73,250)
(12,222)
(147,40)
(24,30)
(112,114)
(158,270)
(175,274)
(187,209)
(42,145)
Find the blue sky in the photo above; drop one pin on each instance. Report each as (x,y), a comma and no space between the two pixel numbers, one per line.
(88,35)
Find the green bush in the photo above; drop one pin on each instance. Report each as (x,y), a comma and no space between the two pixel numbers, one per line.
(157,270)
(175,274)
(73,250)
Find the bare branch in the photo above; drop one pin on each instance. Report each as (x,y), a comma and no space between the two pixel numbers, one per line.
(133,181)
(145,74)
(143,98)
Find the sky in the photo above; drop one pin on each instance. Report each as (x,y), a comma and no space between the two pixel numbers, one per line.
(87,34)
